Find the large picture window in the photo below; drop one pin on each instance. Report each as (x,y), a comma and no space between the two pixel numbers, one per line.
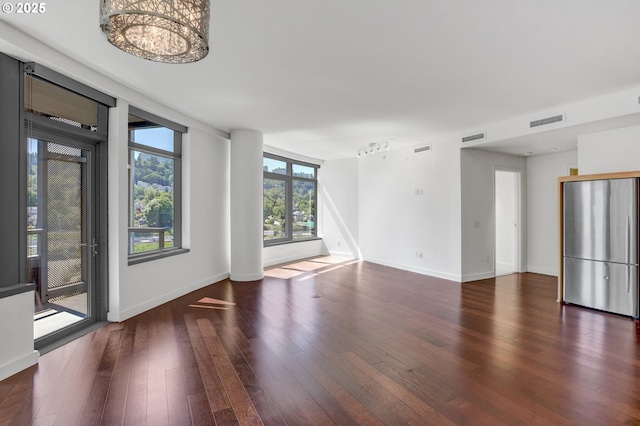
(155,154)
(289,199)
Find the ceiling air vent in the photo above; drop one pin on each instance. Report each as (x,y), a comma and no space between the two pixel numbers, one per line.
(548,120)
(422,148)
(473,137)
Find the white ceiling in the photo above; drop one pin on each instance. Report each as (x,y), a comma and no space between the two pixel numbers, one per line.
(322,78)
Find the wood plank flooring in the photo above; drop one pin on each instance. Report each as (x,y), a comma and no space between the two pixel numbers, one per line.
(324,342)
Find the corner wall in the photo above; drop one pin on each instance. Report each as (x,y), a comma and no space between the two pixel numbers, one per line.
(543,172)
(478,210)
(339,210)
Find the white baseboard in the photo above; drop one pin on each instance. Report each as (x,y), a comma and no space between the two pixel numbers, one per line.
(423,271)
(543,270)
(291,258)
(345,254)
(19,364)
(167,297)
(246,277)
(478,276)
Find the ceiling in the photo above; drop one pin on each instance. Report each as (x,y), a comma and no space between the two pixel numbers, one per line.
(323,78)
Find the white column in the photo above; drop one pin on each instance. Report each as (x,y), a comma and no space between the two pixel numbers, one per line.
(118,205)
(246,205)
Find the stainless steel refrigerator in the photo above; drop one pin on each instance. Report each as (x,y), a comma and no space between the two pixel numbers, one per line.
(601,245)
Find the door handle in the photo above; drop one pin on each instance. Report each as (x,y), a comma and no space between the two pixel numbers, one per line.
(93,246)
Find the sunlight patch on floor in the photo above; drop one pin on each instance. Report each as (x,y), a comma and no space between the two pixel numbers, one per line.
(282,273)
(330,259)
(215,301)
(309,268)
(209,307)
(210,303)
(306,266)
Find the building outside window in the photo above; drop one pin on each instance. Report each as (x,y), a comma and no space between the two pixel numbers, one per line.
(289,199)
(155,154)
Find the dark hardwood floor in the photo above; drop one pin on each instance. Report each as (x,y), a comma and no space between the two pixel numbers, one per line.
(320,342)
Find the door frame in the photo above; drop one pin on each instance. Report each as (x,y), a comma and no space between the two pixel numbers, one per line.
(96,209)
(518,214)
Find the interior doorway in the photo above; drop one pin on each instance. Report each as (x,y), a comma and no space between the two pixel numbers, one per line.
(507,221)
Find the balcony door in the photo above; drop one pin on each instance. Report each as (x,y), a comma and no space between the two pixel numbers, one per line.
(62,245)
(65,146)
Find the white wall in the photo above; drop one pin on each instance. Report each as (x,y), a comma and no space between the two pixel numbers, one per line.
(283,253)
(16,334)
(611,151)
(137,288)
(478,216)
(410,203)
(542,209)
(338,207)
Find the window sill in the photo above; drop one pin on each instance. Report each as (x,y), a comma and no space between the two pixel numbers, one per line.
(282,242)
(148,257)
(12,290)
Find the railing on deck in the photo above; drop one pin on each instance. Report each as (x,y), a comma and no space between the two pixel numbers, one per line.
(134,231)
(34,255)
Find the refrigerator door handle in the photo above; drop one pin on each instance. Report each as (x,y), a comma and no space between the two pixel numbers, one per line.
(628,240)
(628,254)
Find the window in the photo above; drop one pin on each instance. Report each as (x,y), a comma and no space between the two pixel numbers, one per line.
(155,154)
(289,200)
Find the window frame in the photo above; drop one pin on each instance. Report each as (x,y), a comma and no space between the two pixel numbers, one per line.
(288,180)
(176,155)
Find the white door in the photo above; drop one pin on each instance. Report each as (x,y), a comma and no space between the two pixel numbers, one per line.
(507,194)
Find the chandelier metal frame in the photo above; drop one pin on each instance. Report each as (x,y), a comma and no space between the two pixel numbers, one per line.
(169,31)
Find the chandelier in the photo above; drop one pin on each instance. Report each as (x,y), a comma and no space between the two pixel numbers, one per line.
(171,31)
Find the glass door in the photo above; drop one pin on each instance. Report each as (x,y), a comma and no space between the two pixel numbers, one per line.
(62,248)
